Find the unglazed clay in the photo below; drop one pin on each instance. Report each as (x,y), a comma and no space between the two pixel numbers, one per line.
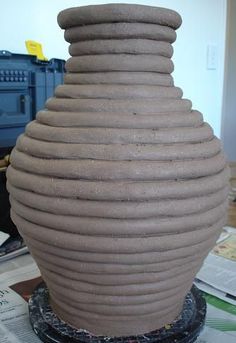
(119,188)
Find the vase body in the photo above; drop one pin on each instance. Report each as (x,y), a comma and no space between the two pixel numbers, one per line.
(118,187)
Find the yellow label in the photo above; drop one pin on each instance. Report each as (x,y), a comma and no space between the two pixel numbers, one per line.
(35,48)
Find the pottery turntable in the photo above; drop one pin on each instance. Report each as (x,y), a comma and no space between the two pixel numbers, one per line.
(119,188)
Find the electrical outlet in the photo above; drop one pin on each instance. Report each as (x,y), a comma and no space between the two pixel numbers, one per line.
(212,56)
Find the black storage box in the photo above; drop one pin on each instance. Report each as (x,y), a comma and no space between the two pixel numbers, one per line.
(25,84)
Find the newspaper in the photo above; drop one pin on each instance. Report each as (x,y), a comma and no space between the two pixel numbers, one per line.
(220,325)
(10,249)
(15,288)
(218,273)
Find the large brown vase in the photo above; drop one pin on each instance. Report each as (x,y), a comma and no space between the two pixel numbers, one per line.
(118,187)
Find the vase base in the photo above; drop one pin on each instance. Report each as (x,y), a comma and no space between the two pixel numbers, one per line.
(49,328)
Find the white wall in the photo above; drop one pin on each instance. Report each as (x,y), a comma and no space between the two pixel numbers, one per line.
(204,22)
(229,98)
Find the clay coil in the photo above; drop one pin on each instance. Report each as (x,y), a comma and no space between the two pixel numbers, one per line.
(119,120)
(120,30)
(118,152)
(137,106)
(122,62)
(148,322)
(108,13)
(115,244)
(98,135)
(130,78)
(119,170)
(124,190)
(123,263)
(116,227)
(116,91)
(90,272)
(121,46)
(118,209)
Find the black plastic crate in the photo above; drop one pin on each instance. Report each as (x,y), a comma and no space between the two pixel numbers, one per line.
(25,84)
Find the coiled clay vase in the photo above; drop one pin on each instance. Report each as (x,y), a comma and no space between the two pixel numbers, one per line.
(118,187)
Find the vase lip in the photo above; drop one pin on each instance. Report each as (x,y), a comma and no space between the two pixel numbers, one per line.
(118,12)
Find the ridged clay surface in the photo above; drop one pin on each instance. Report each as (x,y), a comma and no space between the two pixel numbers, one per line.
(118,187)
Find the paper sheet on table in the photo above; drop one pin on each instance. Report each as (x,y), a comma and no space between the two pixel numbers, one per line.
(220,327)
(215,292)
(218,272)
(15,287)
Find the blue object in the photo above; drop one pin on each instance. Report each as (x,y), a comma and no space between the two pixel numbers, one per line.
(25,84)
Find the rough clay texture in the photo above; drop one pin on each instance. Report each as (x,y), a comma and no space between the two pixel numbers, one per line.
(119,188)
